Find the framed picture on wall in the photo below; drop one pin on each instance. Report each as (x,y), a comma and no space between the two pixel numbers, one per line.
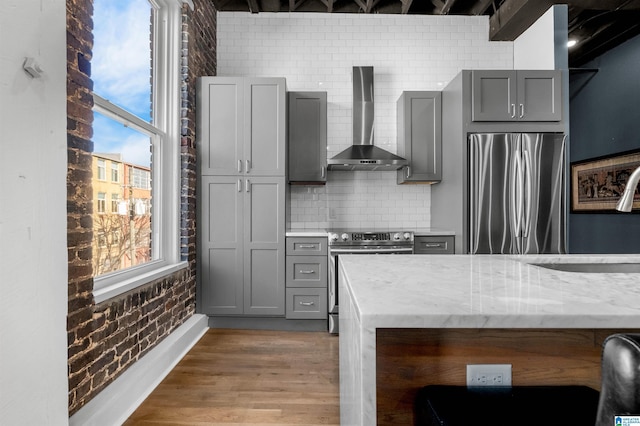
(598,183)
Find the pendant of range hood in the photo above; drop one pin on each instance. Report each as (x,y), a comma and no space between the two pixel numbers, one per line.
(363,154)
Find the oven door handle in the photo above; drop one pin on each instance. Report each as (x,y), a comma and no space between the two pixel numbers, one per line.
(369,251)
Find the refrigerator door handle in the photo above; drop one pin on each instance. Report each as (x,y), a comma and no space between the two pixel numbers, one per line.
(518,187)
(528,193)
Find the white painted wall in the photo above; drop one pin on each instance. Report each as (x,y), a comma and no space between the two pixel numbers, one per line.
(534,49)
(33,250)
(316,51)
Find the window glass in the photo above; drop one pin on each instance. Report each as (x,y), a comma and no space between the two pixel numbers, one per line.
(102,169)
(121,62)
(115,200)
(115,168)
(102,200)
(122,76)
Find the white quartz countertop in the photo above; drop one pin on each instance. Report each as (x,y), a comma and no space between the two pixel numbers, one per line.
(490,291)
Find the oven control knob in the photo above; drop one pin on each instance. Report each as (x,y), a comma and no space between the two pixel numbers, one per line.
(396,236)
(407,236)
(333,237)
(344,237)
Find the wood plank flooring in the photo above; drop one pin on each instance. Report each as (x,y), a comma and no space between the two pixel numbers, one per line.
(249,377)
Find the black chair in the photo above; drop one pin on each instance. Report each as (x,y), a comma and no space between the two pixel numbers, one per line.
(620,389)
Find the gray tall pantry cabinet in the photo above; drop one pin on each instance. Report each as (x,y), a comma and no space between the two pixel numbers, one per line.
(241,140)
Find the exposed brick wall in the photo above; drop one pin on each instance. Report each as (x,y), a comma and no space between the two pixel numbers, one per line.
(198,59)
(105,339)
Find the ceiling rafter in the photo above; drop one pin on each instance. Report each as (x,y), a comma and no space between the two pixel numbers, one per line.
(254,7)
(368,6)
(480,7)
(405,6)
(328,4)
(599,25)
(447,7)
(293,4)
(514,16)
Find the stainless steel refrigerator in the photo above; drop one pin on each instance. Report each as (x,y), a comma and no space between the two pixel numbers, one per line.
(517,193)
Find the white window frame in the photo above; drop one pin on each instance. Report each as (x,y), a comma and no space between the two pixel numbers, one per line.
(165,139)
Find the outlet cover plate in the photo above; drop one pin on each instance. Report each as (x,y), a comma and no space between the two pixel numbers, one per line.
(487,375)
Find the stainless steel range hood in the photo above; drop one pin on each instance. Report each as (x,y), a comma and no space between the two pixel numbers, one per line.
(363,155)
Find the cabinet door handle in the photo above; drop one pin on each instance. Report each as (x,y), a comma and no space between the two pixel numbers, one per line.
(239,166)
(434,245)
(408,171)
(248,165)
(307,303)
(322,172)
(521,110)
(311,271)
(513,110)
(239,185)
(307,246)
(248,185)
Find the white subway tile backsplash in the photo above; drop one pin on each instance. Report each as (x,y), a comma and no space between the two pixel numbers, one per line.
(316,51)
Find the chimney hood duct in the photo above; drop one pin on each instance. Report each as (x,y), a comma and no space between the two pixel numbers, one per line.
(363,155)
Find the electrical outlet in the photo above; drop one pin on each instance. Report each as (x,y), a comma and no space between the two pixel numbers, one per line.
(488,375)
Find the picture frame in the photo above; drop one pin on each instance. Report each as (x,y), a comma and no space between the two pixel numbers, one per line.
(598,183)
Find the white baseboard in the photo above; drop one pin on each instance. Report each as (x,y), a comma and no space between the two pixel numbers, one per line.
(119,400)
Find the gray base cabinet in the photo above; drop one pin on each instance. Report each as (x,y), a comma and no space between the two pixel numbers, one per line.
(241,143)
(434,244)
(306,278)
(420,136)
(506,95)
(307,147)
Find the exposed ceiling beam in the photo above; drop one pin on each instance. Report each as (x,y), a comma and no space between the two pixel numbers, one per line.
(406,5)
(480,7)
(328,4)
(603,5)
(293,4)
(515,16)
(253,6)
(220,4)
(447,7)
(368,6)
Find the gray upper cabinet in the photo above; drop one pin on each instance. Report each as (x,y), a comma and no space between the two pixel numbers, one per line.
(241,196)
(307,138)
(419,129)
(243,120)
(508,95)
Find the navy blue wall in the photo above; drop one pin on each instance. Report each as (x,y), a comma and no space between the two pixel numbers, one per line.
(605,119)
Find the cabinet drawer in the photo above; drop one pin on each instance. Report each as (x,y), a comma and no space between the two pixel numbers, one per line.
(306,303)
(302,246)
(306,271)
(434,245)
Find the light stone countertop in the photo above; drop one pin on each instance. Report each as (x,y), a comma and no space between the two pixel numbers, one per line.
(484,291)
(301,232)
(467,291)
(427,232)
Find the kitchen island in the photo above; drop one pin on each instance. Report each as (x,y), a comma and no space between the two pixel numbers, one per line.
(408,321)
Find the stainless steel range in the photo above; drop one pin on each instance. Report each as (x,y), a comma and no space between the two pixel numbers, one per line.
(343,242)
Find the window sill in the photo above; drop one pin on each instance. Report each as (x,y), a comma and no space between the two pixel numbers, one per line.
(116,289)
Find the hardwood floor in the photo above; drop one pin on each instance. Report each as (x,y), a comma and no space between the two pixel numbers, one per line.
(249,377)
